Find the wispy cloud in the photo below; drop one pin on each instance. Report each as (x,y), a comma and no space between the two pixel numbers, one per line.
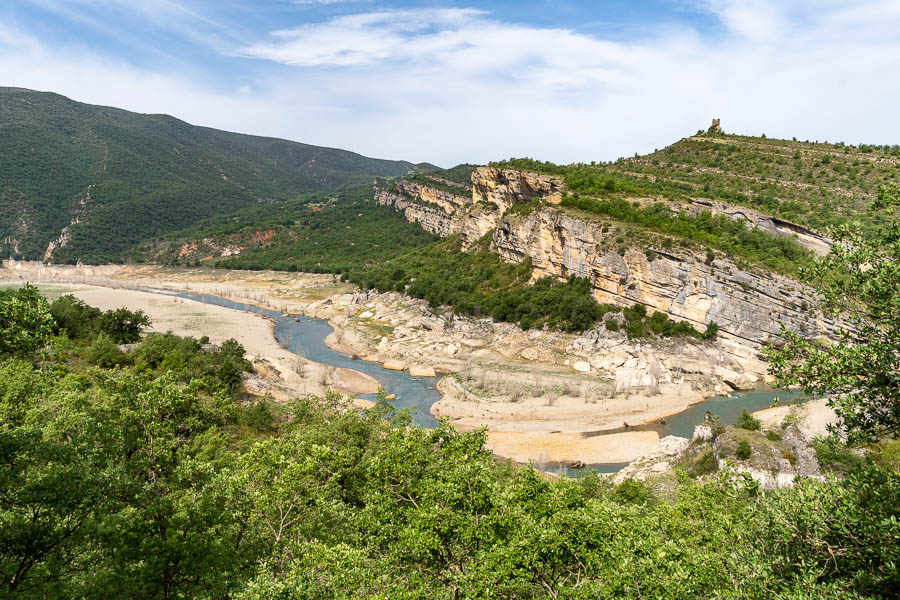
(462,84)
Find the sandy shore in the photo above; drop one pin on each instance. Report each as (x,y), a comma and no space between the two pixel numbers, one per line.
(560,447)
(190,318)
(554,428)
(813,417)
(520,385)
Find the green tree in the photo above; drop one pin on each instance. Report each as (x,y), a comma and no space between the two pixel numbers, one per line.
(25,321)
(859,282)
(122,325)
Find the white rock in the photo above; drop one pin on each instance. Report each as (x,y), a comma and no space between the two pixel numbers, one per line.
(672,444)
(703,433)
(366,315)
(582,366)
(451,349)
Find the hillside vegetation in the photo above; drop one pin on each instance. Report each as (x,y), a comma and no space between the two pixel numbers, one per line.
(116,178)
(319,233)
(154,474)
(809,183)
(478,282)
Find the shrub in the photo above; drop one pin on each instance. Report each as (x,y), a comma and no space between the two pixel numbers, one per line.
(836,457)
(25,320)
(73,316)
(122,325)
(744,450)
(259,416)
(632,491)
(748,422)
(704,464)
(105,353)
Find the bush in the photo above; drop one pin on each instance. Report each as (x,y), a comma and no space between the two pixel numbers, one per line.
(122,325)
(704,464)
(25,320)
(748,422)
(632,491)
(259,416)
(74,317)
(744,450)
(105,353)
(836,457)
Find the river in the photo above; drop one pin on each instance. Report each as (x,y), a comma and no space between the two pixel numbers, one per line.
(305,336)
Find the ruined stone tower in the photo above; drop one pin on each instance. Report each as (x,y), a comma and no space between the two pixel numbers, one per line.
(715,127)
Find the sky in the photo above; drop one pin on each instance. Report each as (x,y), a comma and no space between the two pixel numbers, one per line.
(449,82)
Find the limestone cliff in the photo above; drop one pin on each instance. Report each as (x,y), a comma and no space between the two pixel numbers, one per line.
(438,211)
(748,306)
(806,237)
(745,305)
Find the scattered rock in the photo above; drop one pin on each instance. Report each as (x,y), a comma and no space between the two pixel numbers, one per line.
(416,371)
(702,433)
(394,365)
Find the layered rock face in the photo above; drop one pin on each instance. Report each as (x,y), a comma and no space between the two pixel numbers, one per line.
(436,211)
(440,212)
(745,305)
(748,307)
(806,237)
(504,187)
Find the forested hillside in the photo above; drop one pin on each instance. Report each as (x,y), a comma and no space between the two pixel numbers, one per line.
(95,181)
(153,473)
(318,233)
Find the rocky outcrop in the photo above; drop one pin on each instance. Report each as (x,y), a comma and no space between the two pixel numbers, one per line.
(745,305)
(505,187)
(444,213)
(748,306)
(435,210)
(806,237)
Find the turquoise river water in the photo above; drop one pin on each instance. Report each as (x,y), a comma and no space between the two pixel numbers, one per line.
(305,336)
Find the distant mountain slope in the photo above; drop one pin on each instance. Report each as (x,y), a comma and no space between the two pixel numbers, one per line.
(84,182)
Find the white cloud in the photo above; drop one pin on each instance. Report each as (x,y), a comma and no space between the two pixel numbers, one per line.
(453,85)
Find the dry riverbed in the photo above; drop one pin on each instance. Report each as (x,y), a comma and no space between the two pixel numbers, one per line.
(543,396)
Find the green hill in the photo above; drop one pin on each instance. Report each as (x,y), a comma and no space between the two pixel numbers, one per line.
(101,179)
(807,183)
(322,233)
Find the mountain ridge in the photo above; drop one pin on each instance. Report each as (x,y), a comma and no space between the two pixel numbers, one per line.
(86,182)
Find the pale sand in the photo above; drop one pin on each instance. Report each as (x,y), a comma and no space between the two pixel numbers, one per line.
(536,429)
(563,447)
(190,318)
(814,416)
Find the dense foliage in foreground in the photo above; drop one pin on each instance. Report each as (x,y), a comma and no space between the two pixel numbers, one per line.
(160,478)
(478,282)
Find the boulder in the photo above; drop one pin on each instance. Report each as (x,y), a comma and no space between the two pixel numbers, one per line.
(671,445)
(582,366)
(702,433)
(366,314)
(394,365)
(416,371)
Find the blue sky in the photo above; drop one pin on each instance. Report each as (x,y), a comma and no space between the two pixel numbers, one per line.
(448,82)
